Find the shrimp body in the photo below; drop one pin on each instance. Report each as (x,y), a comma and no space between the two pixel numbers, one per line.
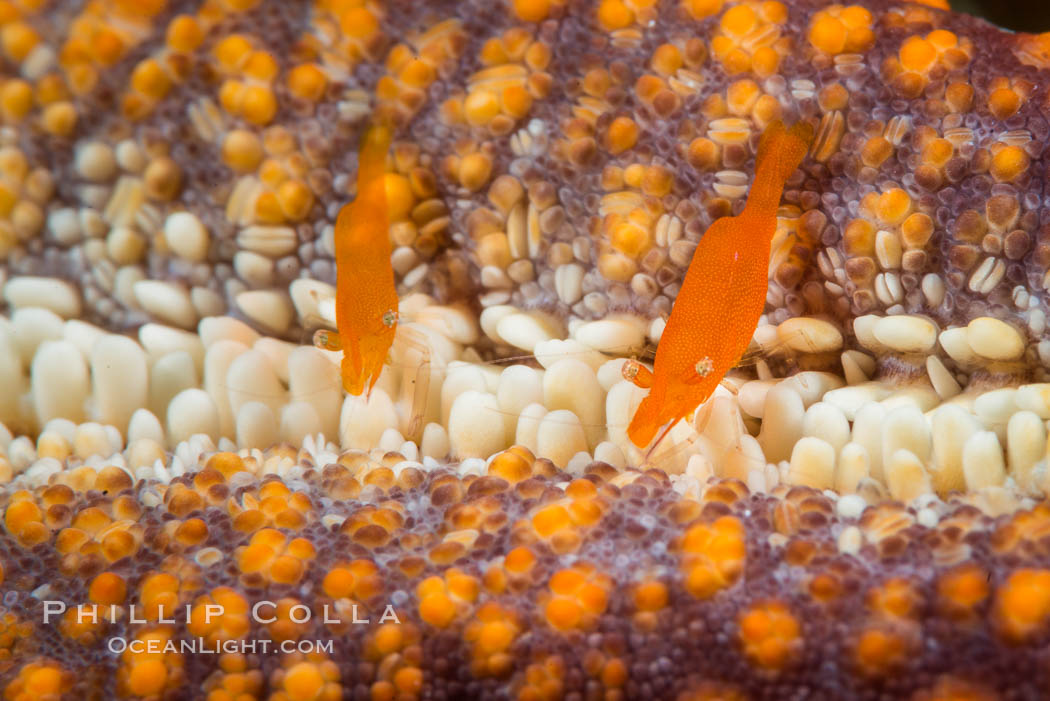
(723,294)
(366,299)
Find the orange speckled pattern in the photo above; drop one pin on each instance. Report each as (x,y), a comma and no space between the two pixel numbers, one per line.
(732,595)
(723,294)
(571,159)
(366,301)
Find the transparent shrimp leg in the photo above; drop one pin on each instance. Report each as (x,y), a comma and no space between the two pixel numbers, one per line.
(415,379)
(415,382)
(729,387)
(640,376)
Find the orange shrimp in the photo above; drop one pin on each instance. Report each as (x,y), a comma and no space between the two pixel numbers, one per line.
(722,296)
(366,299)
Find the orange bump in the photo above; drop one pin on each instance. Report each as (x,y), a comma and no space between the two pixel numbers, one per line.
(515,101)
(480,107)
(942,39)
(1022,603)
(666,59)
(657,181)
(827,33)
(566,581)
(840,29)
(741,96)
(388,638)
(307,81)
(108,589)
(192,531)
(358,23)
(59,118)
(917,54)
(147,678)
(765,61)
(295,199)
(937,152)
(951,689)
(260,65)
(241,5)
(338,583)
(550,519)
(241,151)
(825,587)
(630,237)
(650,595)
(417,73)
(713,556)
(231,96)
(699,9)
(16,99)
(184,34)
(895,598)
(563,613)
(149,79)
(137,8)
(621,135)
(226,463)
(303,681)
(158,592)
(877,651)
(301,548)
(893,205)
(770,634)
(959,96)
(18,39)
(20,514)
(614,14)
(511,466)
(585,512)
(704,154)
(593,597)
(409,680)
(519,560)
(739,20)
(258,104)
(1003,102)
(38,681)
(962,589)
(474,171)
(232,52)
(531,10)
(462,586)
(437,609)
(1008,163)
(286,570)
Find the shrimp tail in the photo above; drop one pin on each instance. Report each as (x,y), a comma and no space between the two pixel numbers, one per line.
(780,151)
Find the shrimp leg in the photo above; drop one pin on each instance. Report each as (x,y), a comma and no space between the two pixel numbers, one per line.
(415,383)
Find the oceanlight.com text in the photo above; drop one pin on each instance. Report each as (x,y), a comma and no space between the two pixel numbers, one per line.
(200,646)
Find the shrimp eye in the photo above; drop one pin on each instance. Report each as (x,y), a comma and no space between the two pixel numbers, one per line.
(327,340)
(705,366)
(389,318)
(638,374)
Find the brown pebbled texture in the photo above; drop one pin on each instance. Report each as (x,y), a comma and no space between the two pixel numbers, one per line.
(521,582)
